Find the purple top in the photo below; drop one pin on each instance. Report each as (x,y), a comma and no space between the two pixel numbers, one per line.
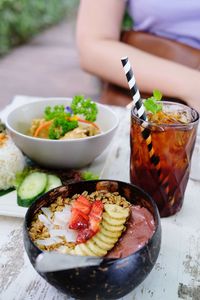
(174,19)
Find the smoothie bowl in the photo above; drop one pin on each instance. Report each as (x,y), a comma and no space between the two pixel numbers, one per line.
(109,219)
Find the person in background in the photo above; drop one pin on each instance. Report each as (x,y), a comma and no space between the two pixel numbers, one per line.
(100,48)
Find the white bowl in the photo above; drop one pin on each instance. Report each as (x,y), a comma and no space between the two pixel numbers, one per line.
(74,153)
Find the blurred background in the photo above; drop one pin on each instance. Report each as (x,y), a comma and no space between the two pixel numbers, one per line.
(38,55)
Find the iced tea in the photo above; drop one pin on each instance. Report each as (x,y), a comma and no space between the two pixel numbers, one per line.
(173,134)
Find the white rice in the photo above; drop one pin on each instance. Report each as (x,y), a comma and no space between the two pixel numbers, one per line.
(11,162)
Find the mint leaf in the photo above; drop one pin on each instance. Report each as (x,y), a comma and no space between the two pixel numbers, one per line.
(151,104)
(157,95)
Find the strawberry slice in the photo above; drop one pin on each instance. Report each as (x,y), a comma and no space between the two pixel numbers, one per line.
(84,235)
(78,220)
(95,215)
(82,204)
(80,210)
(85,218)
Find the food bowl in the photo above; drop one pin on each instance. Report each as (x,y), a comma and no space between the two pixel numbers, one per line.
(113,278)
(71,153)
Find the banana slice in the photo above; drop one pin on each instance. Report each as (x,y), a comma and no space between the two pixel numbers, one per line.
(72,252)
(110,234)
(86,249)
(78,251)
(102,245)
(112,221)
(107,239)
(116,211)
(111,227)
(95,248)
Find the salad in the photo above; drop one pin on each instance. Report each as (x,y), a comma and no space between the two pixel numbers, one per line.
(74,121)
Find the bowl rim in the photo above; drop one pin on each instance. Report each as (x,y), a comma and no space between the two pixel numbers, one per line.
(101,134)
(105,260)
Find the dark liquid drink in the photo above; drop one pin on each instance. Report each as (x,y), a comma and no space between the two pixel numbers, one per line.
(173,134)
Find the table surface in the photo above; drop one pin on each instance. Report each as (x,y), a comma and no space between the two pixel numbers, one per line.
(176,274)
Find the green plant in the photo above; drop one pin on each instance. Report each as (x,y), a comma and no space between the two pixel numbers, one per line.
(127,22)
(21,19)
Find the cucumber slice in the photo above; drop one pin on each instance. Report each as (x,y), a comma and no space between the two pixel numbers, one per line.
(31,187)
(53,181)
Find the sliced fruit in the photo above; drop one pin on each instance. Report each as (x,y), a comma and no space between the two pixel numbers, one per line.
(101,244)
(106,239)
(84,235)
(111,234)
(95,248)
(86,217)
(116,211)
(112,221)
(86,250)
(82,204)
(77,221)
(111,227)
(95,215)
(110,230)
(78,251)
(72,252)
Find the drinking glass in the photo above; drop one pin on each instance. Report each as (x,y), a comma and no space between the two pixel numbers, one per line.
(165,177)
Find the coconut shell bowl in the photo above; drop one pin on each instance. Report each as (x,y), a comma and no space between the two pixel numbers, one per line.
(113,278)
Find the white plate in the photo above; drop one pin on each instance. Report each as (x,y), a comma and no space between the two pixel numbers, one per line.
(8,202)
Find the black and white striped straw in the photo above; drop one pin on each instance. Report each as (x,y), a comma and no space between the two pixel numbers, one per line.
(140,111)
(138,106)
(137,101)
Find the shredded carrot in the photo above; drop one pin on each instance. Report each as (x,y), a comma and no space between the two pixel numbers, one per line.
(42,126)
(3,138)
(88,122)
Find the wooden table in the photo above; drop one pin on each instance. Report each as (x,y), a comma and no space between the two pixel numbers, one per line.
(176,274)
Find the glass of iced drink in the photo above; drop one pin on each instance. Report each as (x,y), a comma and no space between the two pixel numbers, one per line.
(163,169)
